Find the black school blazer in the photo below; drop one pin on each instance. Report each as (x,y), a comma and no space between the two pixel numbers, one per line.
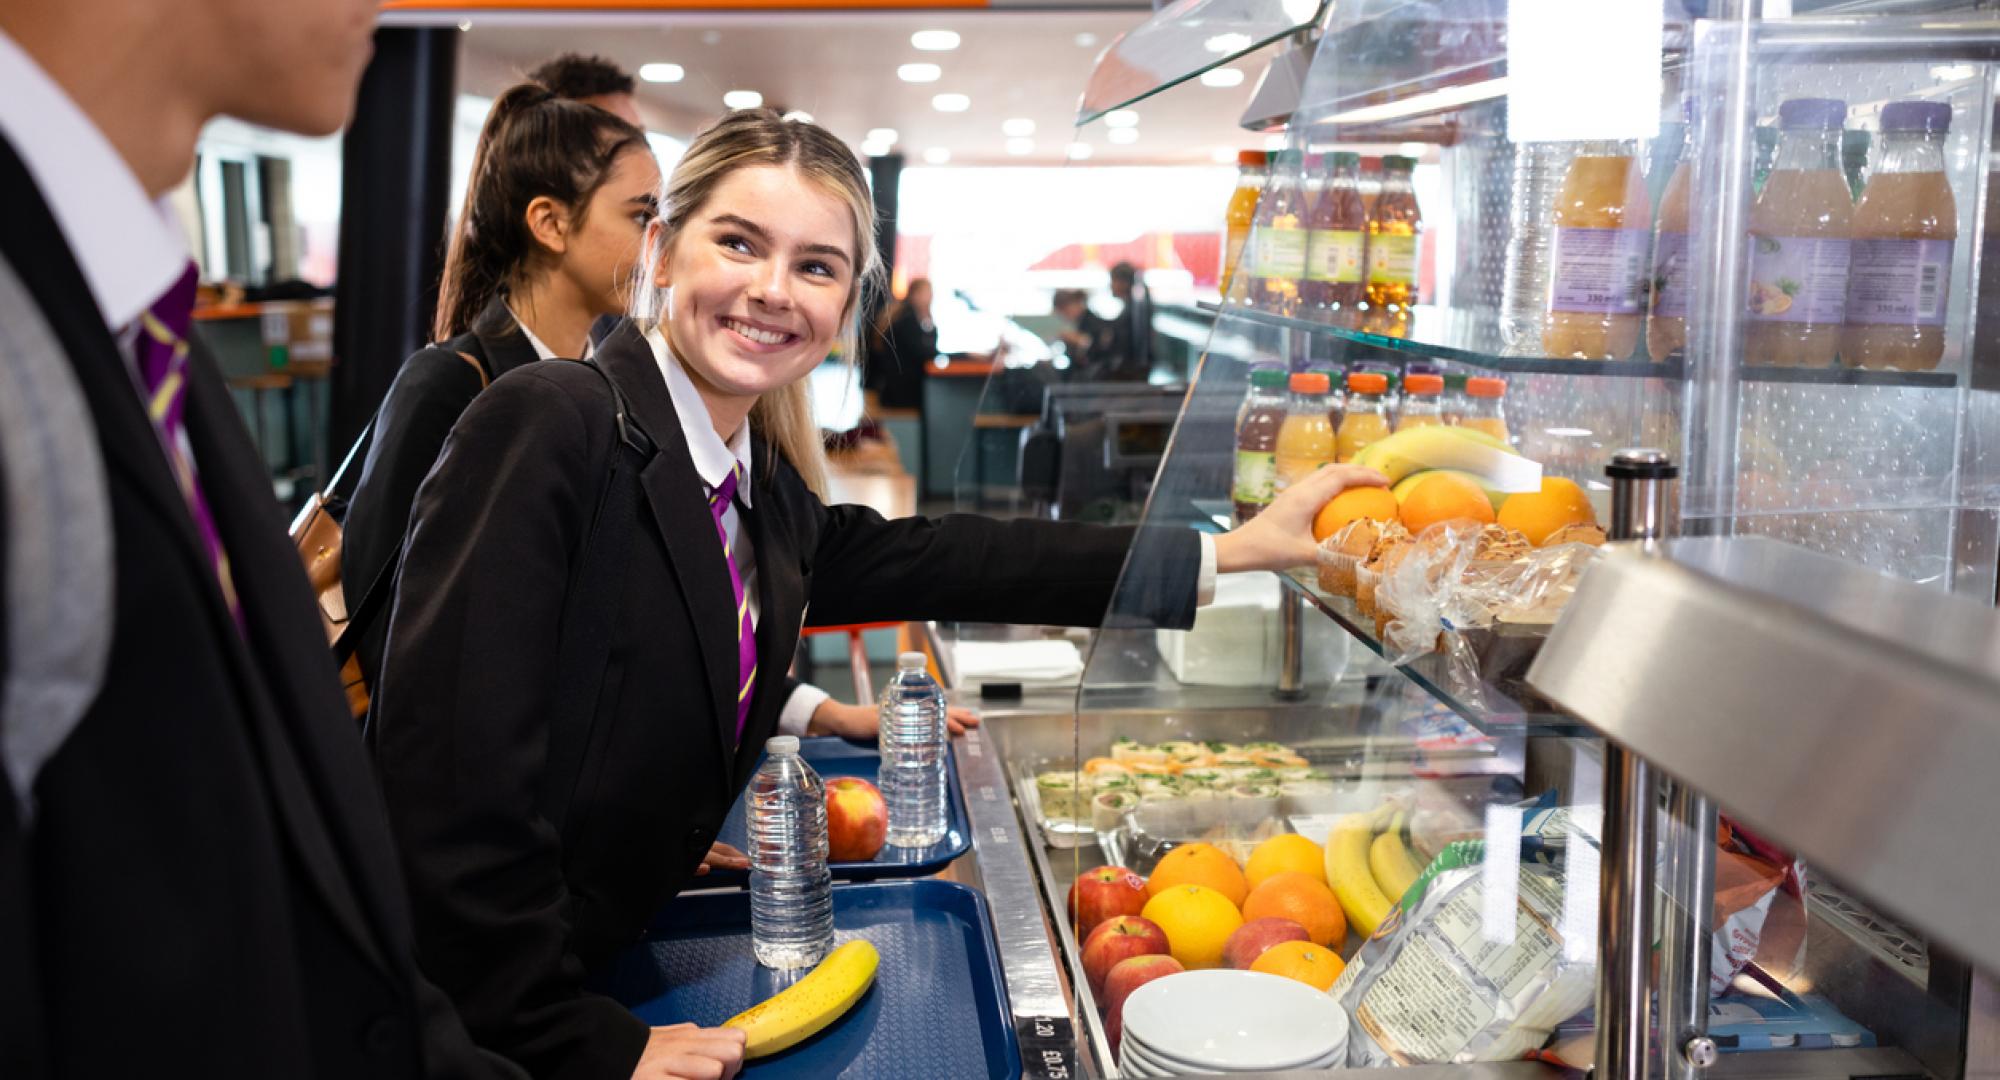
(513,918)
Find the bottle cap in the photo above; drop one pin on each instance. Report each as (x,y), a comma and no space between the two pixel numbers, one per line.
(1926,116)
(1251,157)
(1345,160)
(781,745)
(1423,384)
(1368,382)
(1398,163)
(1311,382)
(1268,378)
(1485,386)
(911,661)
(1826,114)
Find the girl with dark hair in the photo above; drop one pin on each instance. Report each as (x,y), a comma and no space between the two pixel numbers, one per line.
(554,216)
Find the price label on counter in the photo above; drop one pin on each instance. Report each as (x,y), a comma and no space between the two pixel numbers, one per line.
(1048,1047)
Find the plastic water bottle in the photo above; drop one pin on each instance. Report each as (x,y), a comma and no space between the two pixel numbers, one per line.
(913,749)
(791,891)
(1539,168)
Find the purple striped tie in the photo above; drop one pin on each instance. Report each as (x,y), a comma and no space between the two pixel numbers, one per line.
(746,635)
(162,354)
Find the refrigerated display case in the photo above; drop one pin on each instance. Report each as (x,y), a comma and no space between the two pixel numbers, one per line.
(1807,464)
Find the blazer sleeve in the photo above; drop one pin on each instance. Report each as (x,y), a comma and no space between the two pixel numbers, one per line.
(978,569)
(461,729)
(430,393)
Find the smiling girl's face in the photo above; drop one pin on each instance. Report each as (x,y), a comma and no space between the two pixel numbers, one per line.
(759,282)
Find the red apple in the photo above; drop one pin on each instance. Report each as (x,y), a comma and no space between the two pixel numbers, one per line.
(1128,976)
(1117,939)
(857,820)
(1252,938)
(1103,893)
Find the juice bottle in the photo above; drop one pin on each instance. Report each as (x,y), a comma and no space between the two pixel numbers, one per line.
(1483,407)
(1666,323)
(1280,238)
(1904,229)
(1336,245)
(1257,442)
(1799,242)
(1597,288)
(1393,224)
(1366,419)
(1423,401)
(1251,171)
(1305,439)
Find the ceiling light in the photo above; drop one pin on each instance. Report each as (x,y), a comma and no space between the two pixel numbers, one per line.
(1222,78)
(743,99)
(934,40)
(870,149)
(937,155)
(1450,97)
(1020,147)
(1019,127)
(1412,149)
(882,135)
(799,116)
(1227,43)
(919,72)
(1121,118)
(1223,155)
(1079,151)
(1123,136)
(661,72)
(1085,40)
(951,103)
(1299,11)
(464,25)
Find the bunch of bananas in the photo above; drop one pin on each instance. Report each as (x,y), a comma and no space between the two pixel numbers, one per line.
(1484,459)
(801,1010)
(1370,865)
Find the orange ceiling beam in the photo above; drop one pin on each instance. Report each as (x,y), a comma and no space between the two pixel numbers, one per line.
(676,5)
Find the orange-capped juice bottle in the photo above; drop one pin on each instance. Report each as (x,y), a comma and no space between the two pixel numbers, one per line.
(1251,171)
(1597,290)
(1305,439)
(1423,400)
(1366,419)
(1483,409)
(1800,242)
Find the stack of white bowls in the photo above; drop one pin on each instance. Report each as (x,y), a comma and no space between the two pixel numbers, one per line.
(1207,1022)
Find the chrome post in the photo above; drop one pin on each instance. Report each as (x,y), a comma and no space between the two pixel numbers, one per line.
(1641,483)
(1684,941)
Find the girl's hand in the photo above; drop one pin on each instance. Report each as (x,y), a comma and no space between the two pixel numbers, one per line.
(863,722)
(687,1052)
(1281,537)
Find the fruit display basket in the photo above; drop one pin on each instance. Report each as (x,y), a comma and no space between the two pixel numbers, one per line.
(938,1006)
(832,756)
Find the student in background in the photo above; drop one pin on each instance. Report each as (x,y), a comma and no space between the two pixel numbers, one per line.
(1128,357)
(902,348)
(187,821)
(592,80)
(1085,336)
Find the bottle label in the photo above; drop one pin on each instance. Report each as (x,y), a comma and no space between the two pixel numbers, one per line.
(1256,476)
(1670,275)
(1281,252)
(1599,271)
(1899,282)
(1392,260)
(1336,255)
(1798,279)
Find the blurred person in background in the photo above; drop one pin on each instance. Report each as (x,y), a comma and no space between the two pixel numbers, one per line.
(187,820)
(1085,335)
(902,348)
(592,80)
(1128,357)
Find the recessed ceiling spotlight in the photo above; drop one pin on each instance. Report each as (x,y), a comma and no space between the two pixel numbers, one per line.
(951,103)
(1227,43)
(937,155)
(1121,118)
(882,135)
(743,99)
(919,72)
(871,149)
(1223,77)
(1123,136)
(1019,127)
(1085,40)
(799,116)
(464,25)
(1079,151)
(934,40)
(1020,147)
(661,73)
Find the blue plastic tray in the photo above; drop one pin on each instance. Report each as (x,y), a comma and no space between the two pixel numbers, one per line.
(831,756)
(938,1008)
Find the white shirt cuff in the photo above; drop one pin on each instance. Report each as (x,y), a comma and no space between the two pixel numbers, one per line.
(1204,583)
(799,709)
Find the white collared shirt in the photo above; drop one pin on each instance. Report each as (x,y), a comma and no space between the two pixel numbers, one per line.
(713,460)
(543,352)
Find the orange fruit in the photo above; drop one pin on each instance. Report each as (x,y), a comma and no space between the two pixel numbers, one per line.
(1361,502)
(1281,853)
(1537,514)
(1305,900)
(1442,497)
(1198,921)
(1314,965)
(1199,864)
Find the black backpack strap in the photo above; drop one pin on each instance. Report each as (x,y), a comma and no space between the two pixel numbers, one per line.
(590,611)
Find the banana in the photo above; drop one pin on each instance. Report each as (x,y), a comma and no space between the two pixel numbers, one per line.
(801,1010)
(1440,446)
(1347,871)
(1389,860)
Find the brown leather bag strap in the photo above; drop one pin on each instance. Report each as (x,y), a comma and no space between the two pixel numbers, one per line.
(484,379)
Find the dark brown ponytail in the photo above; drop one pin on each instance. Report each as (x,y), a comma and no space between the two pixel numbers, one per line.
(533,144)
